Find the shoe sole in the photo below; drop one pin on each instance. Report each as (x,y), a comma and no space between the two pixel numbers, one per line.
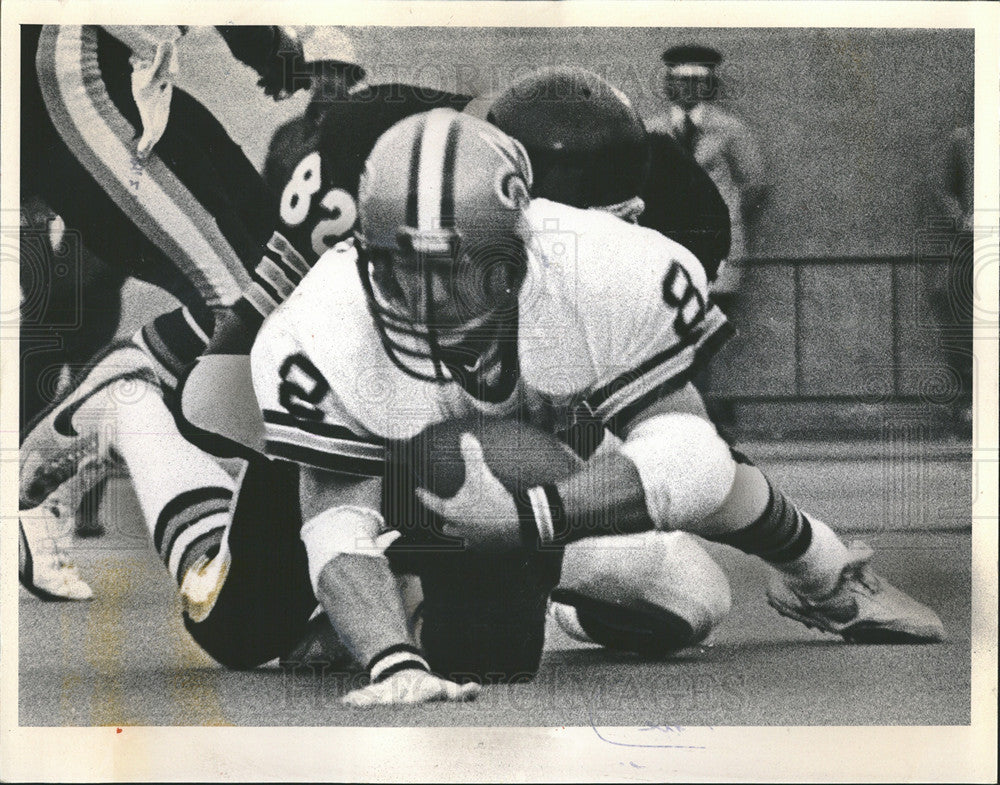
(47,596)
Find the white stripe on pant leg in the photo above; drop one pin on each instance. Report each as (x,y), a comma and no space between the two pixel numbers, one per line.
(107,153)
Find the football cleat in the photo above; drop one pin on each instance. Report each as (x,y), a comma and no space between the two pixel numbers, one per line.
(863,608)
(43,567)
(60,450)
(649,631)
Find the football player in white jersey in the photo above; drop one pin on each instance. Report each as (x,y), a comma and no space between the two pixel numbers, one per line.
(452,317)
(458,299)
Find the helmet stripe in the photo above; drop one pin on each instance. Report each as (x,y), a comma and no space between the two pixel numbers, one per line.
(448,186)
(414,182)
(431,170)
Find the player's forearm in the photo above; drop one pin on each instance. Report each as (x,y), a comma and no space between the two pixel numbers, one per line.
(673,469)
(361,596)
(350,574)
(604,498)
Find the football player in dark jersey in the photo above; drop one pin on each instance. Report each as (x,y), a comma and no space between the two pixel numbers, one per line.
(313,168)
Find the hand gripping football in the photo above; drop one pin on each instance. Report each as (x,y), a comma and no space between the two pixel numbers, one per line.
(519,455)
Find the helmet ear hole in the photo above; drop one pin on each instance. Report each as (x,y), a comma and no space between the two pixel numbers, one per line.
(491,276)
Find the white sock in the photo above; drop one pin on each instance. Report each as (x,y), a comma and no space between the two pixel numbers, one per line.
(818,570)
(184,493)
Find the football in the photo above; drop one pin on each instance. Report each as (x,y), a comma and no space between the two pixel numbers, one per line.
(519,455)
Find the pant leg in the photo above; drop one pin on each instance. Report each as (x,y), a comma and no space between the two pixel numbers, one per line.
(75,78)
(197,148)
(51,170)
(483,616)
(265,603)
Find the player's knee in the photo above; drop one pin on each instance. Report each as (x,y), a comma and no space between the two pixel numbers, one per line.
(651,593)
(685,467)
(690,582)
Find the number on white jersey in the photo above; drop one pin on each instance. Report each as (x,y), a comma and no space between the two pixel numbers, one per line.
(680,292)
(302,388)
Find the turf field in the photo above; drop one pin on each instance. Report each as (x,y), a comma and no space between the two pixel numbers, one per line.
(125,659)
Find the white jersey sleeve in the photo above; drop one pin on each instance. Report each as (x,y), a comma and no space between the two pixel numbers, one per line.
(628,310)
(305,420)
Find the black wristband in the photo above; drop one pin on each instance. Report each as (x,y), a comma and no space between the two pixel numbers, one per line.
(526,518)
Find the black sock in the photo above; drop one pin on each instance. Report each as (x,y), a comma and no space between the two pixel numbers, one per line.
(781,534)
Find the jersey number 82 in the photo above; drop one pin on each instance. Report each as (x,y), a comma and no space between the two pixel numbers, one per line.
(337,209)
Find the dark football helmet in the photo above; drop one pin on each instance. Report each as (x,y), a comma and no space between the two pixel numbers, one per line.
(441,239)
(586,142)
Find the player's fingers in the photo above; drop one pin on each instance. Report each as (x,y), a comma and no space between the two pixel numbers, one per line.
(162,61)
(479,477)
(461,692)
(359,699)
(432,502)
(472,454)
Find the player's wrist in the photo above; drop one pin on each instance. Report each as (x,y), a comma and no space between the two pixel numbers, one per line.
(392,660)
(542,517)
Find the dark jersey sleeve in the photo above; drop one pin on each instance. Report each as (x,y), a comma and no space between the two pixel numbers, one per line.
(683,203)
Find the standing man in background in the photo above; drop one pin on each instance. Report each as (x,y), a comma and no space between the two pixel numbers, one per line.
(725,148)
(718,140)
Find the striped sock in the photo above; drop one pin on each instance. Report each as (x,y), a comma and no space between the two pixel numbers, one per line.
(190,528)
(780,534)
(184,493)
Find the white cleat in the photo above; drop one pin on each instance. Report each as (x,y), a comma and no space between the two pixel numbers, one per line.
(43,567)
(62,451)
(863,608)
